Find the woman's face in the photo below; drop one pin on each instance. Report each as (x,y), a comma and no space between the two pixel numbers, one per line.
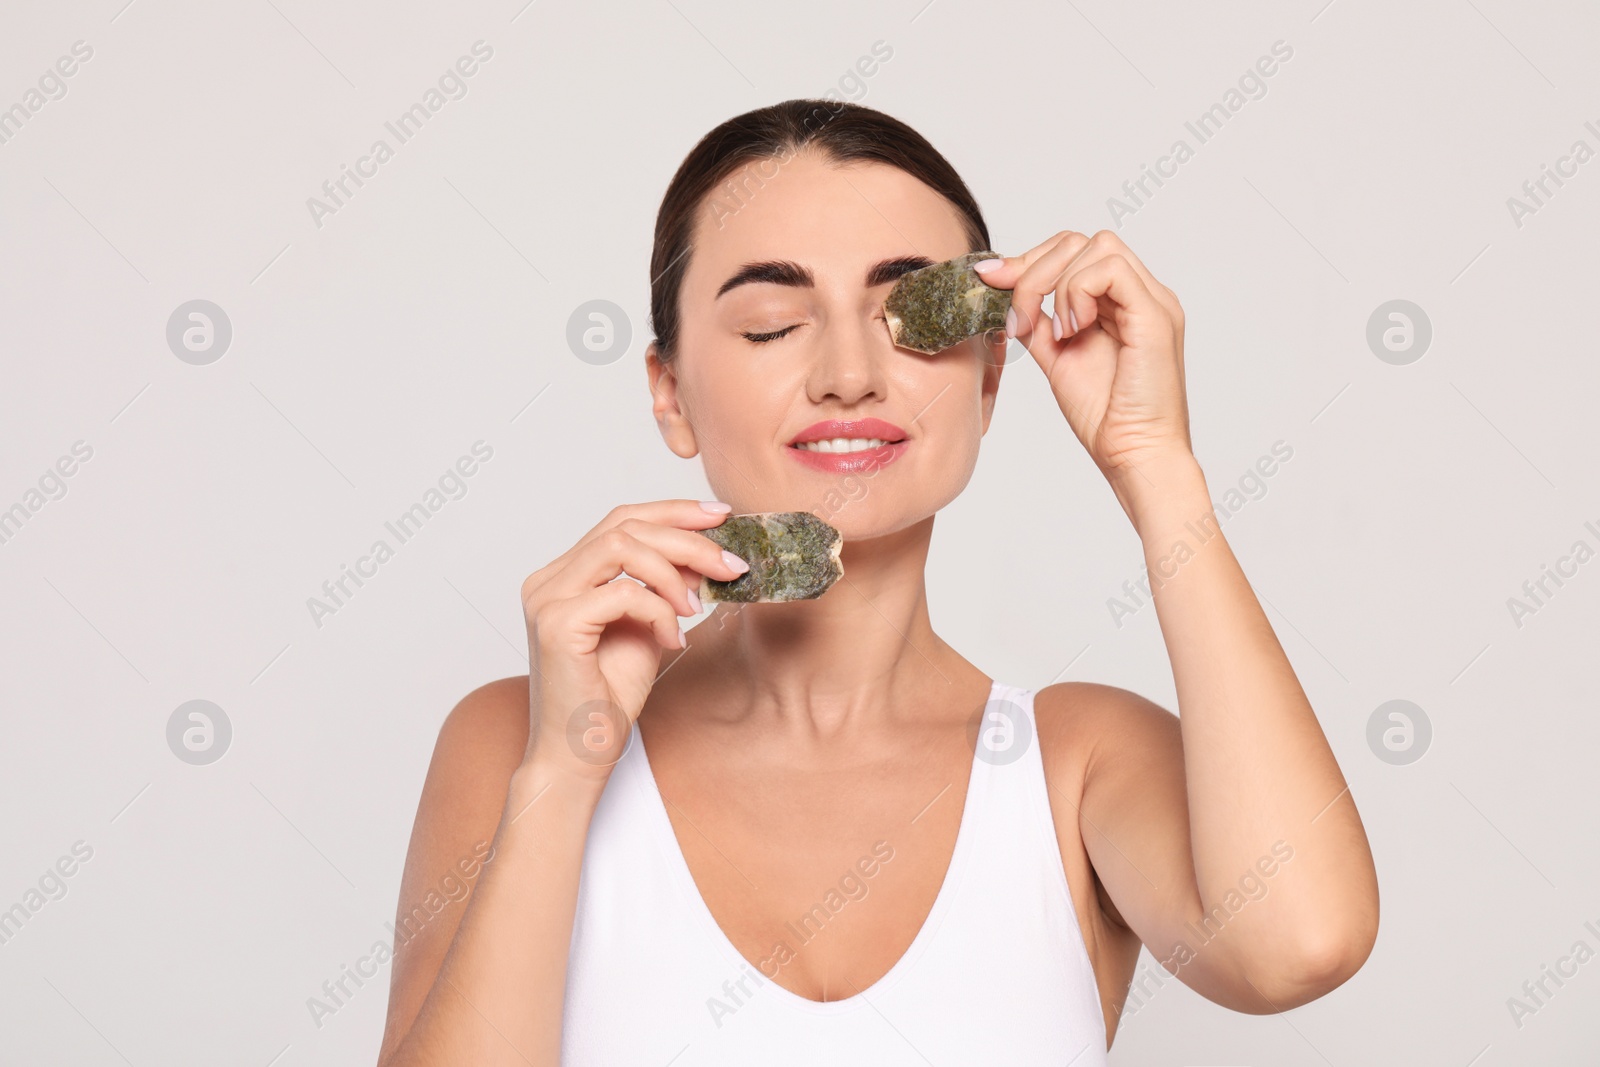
(805,257)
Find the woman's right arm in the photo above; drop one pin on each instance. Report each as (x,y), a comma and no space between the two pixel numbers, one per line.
(482,980)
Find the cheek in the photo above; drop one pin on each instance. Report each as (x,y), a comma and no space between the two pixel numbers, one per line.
(946,395)
(738,397)
(737,410)
(945,401)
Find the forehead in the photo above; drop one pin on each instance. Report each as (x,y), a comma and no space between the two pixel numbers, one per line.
(834,218)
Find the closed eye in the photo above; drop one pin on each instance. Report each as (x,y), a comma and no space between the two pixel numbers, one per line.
(762,338)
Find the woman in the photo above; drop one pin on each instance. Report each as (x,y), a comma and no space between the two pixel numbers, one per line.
(820,834)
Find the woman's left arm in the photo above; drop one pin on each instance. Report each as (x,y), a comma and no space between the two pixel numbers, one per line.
(1262,802)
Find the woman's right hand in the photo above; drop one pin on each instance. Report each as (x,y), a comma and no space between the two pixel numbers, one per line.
(594,644)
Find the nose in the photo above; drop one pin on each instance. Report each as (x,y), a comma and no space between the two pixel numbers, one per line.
(849,362)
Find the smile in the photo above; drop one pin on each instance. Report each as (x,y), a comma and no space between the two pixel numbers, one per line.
(848,446)
(842,444)
(840,456)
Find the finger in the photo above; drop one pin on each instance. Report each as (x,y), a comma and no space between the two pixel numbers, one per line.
(1039,278)
(648,545)
(573,626)
(596,562)
(1112,277)
(1106,242)
(680,513)
(1103,242)
(685,548)
(641,551)
(691,580)
(1003,272)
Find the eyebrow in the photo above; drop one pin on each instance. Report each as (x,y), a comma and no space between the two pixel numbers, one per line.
(786,272)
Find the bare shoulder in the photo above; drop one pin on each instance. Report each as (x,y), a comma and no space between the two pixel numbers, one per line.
(480,744)
(1085,725)
(1103,745)
(487,727)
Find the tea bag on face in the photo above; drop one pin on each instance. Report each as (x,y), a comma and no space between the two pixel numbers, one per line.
(793,555)
(929,310)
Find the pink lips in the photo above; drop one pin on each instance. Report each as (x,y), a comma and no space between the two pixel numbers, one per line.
(850,462)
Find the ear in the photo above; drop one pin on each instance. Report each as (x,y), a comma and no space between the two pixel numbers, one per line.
(670,419)
(992,350)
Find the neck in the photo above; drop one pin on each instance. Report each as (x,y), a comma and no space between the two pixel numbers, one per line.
(864,650)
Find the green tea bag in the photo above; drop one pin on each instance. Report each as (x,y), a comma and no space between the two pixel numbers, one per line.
(793,555)
(936,307)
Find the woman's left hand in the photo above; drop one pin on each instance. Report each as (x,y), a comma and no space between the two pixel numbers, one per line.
(1115,363)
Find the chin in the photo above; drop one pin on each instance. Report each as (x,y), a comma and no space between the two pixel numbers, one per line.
(859,521)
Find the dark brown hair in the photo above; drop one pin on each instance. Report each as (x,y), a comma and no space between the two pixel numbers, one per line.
(843,132)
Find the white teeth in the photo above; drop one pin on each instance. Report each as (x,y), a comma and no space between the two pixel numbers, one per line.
(843,444)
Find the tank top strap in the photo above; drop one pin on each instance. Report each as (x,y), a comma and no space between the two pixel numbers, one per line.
(1017,817)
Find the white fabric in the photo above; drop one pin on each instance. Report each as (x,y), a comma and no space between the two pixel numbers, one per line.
(998,974)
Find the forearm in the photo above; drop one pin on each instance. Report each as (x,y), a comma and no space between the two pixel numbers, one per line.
(498,996)
(1258,768)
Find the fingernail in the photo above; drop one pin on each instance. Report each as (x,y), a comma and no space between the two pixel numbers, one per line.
(984,266)
(1072,316)
(683,639)
(734,561)
(1011,322)
(716,507)
(1055,326)
(694,600)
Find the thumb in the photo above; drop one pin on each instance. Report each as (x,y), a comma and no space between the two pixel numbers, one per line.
(1003,272)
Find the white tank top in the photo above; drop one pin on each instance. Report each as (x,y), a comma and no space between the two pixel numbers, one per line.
(998,973)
